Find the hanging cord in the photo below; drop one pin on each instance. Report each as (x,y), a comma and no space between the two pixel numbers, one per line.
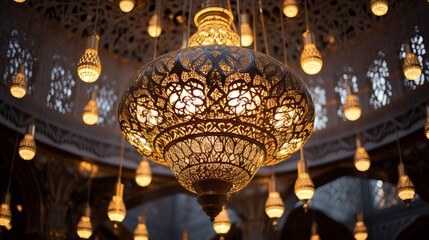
(185,4)
(121,160)
(96,16)
(13,162)
(89,184)
(157,12)
(239,21)
(283,34)
(189,24)
(264,33)
(255,47)
(306,16)
(230,9)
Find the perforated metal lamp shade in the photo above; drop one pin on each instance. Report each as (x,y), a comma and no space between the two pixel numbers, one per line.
(5,212)
(126,5)
(411,67)
(141,233)
(143,174)
(379,7)
(116,210)
(290,8)
(311,59)
(27,146)
(89,65)
(361,160)
(405,187)
(84,226)
(18,86)
(216,114)
(360,231)
(222,224)
(274,206)
(90,111)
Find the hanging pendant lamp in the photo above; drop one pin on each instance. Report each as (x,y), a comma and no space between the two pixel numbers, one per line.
(90,111)
(222,224)
(274,206)
(412,68)
(141,233)
(360,232)
(361,160)
(143,173)
(18,86)
(351,108)
(27,146)
(304,187)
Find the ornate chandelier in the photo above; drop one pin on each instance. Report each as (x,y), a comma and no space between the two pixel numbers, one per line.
(304,187)
(18,86)
(215,114)
(362,161)
(89,65)
(379,7)
(360,231)
(412,68)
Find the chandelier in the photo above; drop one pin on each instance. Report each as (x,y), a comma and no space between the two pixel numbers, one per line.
(361,160)
(18,86)
(274,206)
(90,111)
(304,187)
(143,174)
(405,187)
(411,67)
(5,212)
(360,232)
(215,114)
(89,65)
(84,227)
(27,146)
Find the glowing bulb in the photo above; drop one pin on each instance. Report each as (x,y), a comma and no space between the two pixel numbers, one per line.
(5,212)
(304,187)
(27,146)
(116,210)
(412,68)
(141,233)
(352,110)
(89,65)
(360,231)
(222,224)
(154,29)
(362,160)
(126,5)
(84,227)
(274,207)
(290,8)
(246,31)
(90,111)
(379,7)
(405,187)
(311,59)
(18,86)
(143,174)
(19,1)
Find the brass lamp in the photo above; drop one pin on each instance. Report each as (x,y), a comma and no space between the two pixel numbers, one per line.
(89,65)
(126,5)
(116,210)
(412,68)
(141,233)
(427,122)
(246,30)
(361,160)
(405,187)
(5,212)
(314,232)
(154,28)
(143,173)
(214,25)
(304,187)
(222,224)
(18,86)
(379,7)
(290,8)
(84,227)
(90,111)
(274,206)
(351,108)
(27,146)
(311,59)
(360,231)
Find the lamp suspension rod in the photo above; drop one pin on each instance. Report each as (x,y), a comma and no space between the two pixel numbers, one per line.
(13,162)
(96,16)
(283,34)
(239,21)
(264,33)
(255,46)
(230,9)
(89,184)
(157,12)
(306,16)
(121,160)
(189,24)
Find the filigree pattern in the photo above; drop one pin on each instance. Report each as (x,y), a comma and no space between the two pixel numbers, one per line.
(319,98)
(220,111)
(16,54)
(61,87)
(347,78)
(378,72)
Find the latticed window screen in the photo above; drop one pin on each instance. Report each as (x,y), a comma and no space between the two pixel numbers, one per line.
(383,194)
(319,98)
(61,87)
(106,101)
(347,78)
(418,47)
(16,54)
(378,73)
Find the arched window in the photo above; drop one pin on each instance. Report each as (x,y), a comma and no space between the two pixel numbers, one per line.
(347,78)
(61,87)
(106,101)
(319,98)
(17,54)
(378,73)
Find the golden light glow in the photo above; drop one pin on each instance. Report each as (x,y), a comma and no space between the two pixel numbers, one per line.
(185,234)
(222,224)
(84,227)
(246,31)
(116,210)
(290,8)
(214,27)
(314,232)
(154,28)
(19,1)
(143,174)
(141,233)
(90,111)
(221,148)
(351,108)
(304,187)
(379,7)
(27,146)
(311,59)
(89,65)
(427,122)
(5,212)
(18,86)
(362,160)
(360,231)
(126,5)
(274,206)
(411,67)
